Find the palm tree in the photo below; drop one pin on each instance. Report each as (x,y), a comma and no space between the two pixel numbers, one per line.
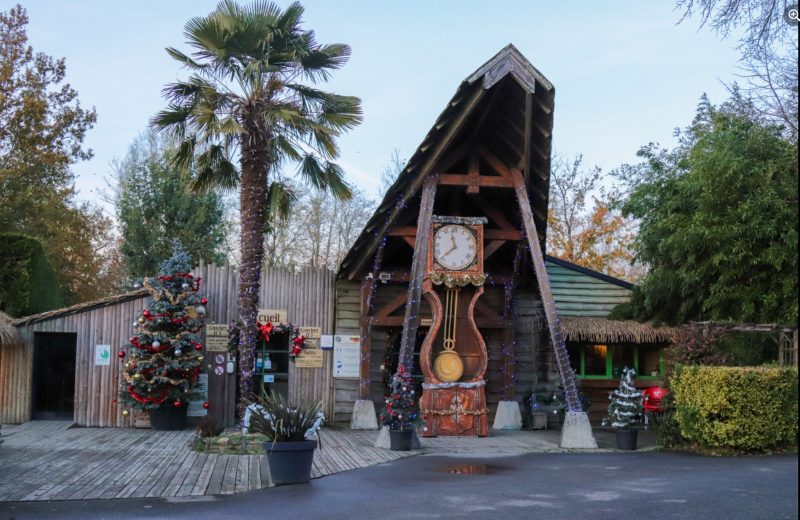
(250,100)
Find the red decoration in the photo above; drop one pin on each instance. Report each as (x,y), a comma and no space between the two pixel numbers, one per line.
(198,346)
(177,404)
(121,354)
(148,399)
(265,330)
(147,314)
(206,405)
(204,300)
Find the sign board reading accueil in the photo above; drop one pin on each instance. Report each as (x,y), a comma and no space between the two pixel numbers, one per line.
(265,316)
(346,356)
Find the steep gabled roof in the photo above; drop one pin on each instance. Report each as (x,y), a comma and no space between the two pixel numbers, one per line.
(506,103)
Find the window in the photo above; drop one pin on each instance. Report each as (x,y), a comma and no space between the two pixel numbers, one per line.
(593,361)
(595,357)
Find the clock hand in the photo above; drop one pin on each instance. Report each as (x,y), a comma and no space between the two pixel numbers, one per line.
(450,250)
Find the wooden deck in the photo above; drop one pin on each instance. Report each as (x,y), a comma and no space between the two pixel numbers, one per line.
(49,460)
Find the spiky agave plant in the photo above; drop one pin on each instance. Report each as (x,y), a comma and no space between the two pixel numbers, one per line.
(281,421)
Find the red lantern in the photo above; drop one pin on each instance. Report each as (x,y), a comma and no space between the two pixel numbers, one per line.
(205,405)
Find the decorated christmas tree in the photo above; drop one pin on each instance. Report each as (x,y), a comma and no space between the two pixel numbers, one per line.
(626,403)
(163,359)
(401,409)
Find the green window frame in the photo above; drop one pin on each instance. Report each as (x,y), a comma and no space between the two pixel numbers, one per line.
(609,360)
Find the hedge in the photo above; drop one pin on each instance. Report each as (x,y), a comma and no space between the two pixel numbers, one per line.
(28,284)
(737,408)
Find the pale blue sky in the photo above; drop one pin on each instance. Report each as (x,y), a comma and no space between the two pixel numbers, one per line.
(624,75)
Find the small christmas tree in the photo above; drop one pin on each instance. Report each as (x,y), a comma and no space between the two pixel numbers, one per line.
(401,410)
(163,359)
(626,403)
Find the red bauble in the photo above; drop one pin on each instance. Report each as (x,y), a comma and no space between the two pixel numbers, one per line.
(206,406)
(147,313)
(177,404)
(204,300)
(198,346)
(121,354)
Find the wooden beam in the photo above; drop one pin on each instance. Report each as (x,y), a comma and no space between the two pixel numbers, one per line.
(426,168)
(473,173)
(456,179)
(525,162)
(486,311)
(397,302)
(491,248)
(553,324)
(488,234)
(494,213)
(409,241)
(367,293)
(497,165)
(411,321)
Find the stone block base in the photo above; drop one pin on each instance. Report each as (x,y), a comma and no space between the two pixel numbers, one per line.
(508,416)
(364,416)
(577,432)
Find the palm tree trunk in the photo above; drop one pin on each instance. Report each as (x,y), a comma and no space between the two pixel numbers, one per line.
(252,209)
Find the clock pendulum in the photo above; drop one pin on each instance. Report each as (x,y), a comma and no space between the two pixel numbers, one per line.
(448,365)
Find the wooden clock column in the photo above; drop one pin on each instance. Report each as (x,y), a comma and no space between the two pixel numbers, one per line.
(453,356)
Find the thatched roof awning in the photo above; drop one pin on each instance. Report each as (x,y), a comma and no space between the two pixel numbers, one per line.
(9,335)
(82,307)
(603,330)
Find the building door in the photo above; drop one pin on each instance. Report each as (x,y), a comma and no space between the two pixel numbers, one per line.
(54,375)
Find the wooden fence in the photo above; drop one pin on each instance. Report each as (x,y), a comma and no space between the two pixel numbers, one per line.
(307,296)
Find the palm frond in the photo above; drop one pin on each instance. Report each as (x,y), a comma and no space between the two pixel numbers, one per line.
(281,197)
(214,169)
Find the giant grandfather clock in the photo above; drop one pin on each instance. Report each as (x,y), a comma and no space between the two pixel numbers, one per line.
(453,356)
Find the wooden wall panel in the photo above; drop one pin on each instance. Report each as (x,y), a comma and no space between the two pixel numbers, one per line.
(307,296)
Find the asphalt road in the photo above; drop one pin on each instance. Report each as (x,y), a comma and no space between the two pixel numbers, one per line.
(616,486)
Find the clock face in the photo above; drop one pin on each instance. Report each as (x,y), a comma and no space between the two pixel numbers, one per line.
(454,247)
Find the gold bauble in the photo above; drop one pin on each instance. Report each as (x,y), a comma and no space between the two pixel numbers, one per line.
(448,366)
(200,358)
(137,376)
(125,413)
(140,320)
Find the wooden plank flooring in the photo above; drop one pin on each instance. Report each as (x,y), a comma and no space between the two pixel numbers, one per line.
(50,460)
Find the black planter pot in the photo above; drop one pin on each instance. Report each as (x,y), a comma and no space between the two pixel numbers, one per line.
(400,440)
(290,462)
(626,439)
(169,417)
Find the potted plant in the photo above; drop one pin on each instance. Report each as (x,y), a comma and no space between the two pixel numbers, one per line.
(625,410)
(290,429)
(162,360)
(401,412)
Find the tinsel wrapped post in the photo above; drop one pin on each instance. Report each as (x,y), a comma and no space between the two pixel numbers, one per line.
(625,408)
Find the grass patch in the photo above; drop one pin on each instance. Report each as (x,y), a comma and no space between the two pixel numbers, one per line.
(230,444)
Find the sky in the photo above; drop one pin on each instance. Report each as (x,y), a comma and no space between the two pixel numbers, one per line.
(624,75)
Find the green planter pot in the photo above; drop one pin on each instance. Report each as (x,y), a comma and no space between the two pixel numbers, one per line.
(626,439)
(290,462)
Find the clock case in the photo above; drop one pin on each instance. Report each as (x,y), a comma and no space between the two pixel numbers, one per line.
(457,408)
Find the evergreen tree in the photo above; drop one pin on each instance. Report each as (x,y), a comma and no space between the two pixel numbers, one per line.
(154,205)
(401,408)
(625,408)
(163,359)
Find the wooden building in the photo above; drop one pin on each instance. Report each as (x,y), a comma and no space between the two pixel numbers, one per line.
(486,157)
(483,169)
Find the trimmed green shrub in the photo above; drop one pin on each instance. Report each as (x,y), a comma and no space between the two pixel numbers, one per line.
(736,408)
(28,284)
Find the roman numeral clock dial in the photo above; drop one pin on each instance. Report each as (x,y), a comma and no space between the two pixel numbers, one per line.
(455,247)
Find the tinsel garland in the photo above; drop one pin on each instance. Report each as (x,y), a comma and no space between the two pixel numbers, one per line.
(455,411)
(439,386)
(457,280)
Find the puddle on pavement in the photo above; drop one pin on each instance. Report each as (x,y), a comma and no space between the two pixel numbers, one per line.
(467,469)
